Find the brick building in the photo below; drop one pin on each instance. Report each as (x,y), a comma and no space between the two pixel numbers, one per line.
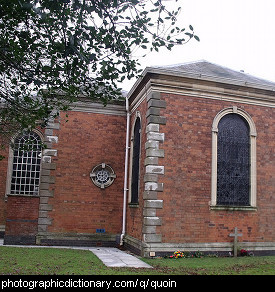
(187,158)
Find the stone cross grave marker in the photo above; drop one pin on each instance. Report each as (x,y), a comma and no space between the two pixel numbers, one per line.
(235,235)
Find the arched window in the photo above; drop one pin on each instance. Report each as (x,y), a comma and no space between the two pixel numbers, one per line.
(233,164)
(233,159)
(135,162)
(26,165)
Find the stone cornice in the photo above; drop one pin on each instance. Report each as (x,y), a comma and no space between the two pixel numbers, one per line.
(203,88)
(213,91)
(99,108)
(166,71)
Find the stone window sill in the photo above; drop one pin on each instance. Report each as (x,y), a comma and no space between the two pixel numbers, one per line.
(22,195)
(133,205)
(233,208)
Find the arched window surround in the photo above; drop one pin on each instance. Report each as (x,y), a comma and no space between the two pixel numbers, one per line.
(11,164)
(131,200)
(253,172)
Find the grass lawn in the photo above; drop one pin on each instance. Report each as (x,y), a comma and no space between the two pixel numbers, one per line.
(50,261)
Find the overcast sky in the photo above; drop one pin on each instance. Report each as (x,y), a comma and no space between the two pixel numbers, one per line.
(239,34)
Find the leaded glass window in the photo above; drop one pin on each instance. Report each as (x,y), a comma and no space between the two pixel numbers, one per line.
(26,166)
(135,163)
(233,161)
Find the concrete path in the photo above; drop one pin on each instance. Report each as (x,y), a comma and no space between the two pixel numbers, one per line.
(110,256)
(113,257)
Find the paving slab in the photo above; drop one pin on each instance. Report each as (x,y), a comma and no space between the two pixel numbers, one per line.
(114,257)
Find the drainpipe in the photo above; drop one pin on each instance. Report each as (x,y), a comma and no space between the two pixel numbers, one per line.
(125,172)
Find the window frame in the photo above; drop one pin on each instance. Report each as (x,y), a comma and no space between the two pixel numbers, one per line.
(10,167)
(253,176)
(130,201)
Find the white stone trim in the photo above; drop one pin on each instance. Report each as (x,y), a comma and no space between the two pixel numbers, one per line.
(207,246)
(253,171)
(212,92)
(146,247)
(99,108)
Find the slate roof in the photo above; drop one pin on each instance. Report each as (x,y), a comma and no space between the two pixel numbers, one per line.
(212,72)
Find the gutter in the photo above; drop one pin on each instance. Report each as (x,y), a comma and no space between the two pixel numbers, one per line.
(125,172)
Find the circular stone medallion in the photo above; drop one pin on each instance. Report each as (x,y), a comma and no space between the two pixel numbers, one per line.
(102,175)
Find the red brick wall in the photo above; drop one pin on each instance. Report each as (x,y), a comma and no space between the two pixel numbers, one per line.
(22,216)
(87,139)
(186,215)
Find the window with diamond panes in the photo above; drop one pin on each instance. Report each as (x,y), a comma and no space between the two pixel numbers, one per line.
(233,161)
(26,165)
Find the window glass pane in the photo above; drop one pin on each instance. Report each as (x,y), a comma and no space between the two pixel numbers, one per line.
(135,163)
(233,179)
(26,164)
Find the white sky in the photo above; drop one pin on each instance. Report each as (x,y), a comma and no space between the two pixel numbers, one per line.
(239,34)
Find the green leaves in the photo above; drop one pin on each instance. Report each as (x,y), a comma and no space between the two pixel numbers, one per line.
(46,69)
(196,38)
(75,48)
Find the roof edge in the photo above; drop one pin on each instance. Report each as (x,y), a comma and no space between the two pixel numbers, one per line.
(205,77)
(167,70)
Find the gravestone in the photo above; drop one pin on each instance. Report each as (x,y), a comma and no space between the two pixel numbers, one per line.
(235,235)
